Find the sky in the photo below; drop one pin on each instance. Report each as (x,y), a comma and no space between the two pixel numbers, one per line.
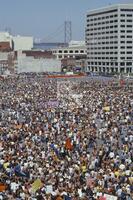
(45,18)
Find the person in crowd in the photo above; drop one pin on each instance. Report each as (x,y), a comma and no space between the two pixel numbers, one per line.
(65,139)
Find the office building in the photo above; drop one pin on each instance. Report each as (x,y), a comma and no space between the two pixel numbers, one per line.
(109,39)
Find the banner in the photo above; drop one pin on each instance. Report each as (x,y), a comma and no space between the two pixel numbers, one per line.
(107,197)
(110,197)
(102,198)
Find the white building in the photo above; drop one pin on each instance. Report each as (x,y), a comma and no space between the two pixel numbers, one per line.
(76,49)
(6,37)
(22,43)
(7,60)
(4,56)
(109,39)
(17,42)
(30,64)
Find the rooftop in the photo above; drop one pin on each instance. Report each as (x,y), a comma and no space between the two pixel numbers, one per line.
(111,6)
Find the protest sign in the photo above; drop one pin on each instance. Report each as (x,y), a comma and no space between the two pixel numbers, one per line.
(107,197)
(36,185)
(2,187)
(49,189)
(106,108)
(110,197)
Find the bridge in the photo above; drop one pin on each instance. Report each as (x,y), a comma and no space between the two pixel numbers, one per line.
(49,45)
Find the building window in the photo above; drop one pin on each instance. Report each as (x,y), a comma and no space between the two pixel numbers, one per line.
(60,51)
(128,63)
(127,10)
(122,20)
(65,51)
(129,36)
(70,51)
(129,26)
(129,42)
(129,15)
(129,20)
(122,64)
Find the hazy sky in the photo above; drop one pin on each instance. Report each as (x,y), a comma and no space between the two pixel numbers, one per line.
(45,18)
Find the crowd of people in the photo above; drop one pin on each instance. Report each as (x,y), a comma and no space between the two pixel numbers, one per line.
(65,139)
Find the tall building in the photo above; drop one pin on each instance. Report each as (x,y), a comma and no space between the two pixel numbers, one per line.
(109,39)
